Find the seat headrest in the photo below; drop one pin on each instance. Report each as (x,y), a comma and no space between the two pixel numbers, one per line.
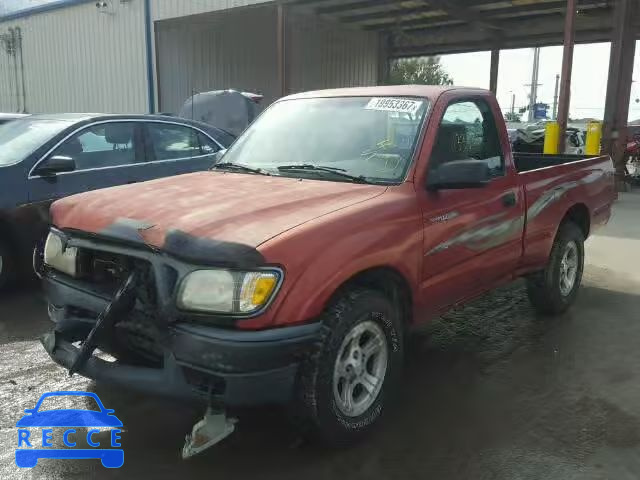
(118,134)
(451,143)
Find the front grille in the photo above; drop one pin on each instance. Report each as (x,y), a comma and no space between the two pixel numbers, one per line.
(136,338)
(104,270)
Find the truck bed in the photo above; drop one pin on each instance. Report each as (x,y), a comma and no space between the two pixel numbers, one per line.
(525,162)
(555,184)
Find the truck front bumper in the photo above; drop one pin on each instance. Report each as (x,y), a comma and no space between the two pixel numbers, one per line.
(237,368)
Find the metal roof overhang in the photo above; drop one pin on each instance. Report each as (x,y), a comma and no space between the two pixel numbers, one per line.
(431,27)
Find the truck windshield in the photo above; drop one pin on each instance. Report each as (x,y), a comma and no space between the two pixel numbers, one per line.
(369,139)
(20,138)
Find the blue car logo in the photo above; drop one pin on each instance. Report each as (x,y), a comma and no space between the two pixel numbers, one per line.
(69,419)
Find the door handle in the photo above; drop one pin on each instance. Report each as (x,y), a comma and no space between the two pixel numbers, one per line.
(509,199)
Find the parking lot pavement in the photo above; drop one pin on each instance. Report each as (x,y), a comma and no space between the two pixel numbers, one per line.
(491,392)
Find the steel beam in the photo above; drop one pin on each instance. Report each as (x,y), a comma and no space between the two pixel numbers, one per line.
(493,73)
(282,49)
(393,19)
(461,11)
(565,75)
(522,33)
(619,84)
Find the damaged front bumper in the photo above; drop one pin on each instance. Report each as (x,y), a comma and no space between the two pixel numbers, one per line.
(234,367)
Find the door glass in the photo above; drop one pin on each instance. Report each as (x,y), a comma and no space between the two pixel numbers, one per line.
(167,142)
(102,145)
(468,131)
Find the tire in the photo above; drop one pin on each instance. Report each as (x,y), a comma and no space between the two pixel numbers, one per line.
(549,290)
(351,326)
(7,265)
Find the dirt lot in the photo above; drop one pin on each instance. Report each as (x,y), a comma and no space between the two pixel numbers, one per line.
(492,392)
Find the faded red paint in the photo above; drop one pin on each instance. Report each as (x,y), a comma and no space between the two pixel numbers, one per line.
(323,233)
(230,207)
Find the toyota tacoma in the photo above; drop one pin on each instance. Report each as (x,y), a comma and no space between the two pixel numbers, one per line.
(292,272)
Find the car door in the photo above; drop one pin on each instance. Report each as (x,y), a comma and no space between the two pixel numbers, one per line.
(105,154)
(472,237)
(173,149)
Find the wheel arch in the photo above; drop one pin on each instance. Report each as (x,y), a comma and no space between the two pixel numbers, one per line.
(385,279)
(579,214)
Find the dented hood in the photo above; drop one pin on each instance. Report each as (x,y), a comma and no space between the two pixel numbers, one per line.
(226,207)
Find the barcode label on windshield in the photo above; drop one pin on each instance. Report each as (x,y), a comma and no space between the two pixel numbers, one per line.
(400,105)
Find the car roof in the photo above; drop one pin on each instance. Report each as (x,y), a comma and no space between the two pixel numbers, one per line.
(78,117)
(96,117)
(12,116)
(426,91)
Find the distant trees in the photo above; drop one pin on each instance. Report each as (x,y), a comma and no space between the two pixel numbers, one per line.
(421,71)
(512,117)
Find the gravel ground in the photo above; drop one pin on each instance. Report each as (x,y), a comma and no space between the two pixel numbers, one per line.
(492,392)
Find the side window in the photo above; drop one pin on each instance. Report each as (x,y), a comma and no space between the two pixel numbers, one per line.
(102,145)
(468,131)
(167,141)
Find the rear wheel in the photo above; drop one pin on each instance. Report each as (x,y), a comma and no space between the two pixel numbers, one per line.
(553,290)
(344,384)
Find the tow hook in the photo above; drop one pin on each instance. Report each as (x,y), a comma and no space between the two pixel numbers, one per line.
(214,427)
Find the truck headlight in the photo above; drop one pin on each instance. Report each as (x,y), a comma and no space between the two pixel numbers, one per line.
(226,291)
(60,258)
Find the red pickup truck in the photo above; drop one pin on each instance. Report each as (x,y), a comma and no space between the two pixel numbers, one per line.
(292,271)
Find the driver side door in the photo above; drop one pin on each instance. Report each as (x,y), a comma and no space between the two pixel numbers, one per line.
(105,154)
(472,236)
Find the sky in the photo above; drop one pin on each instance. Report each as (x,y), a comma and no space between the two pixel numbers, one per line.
(8,6)
(588,81)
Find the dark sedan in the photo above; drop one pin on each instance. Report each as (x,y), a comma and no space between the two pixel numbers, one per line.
(46,157)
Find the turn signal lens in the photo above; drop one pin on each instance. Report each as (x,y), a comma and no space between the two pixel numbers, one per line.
(257,288)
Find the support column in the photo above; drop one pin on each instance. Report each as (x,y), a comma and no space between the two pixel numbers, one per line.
(616,111)
(282,50)
(384,65)
(565,79)
(493,74)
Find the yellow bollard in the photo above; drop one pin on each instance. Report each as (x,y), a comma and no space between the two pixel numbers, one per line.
(594,136)
(551,134)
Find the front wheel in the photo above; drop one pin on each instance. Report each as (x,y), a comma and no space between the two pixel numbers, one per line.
(553,290)
(344,384)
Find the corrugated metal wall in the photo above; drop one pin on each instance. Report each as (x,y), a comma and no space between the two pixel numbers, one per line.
(77,59)
(322,54)
(165,9)
(235,49)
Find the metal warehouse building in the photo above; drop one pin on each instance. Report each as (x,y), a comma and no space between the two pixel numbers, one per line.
(150,55)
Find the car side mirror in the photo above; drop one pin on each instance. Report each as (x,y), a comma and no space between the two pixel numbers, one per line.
(459,174)
(56,164)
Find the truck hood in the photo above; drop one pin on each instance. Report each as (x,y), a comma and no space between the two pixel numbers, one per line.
(223,207)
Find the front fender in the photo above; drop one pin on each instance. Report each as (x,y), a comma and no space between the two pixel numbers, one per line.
(310,283)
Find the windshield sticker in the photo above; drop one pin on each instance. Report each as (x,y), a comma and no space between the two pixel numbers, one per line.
(399,105)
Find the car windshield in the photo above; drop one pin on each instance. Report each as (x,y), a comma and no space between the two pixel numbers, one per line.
(20,138)
(371,139)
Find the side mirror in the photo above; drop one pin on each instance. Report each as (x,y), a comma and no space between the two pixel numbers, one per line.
(459,174)
(56,164)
